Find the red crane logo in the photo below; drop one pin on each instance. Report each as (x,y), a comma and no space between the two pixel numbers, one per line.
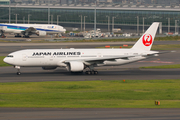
(147,39)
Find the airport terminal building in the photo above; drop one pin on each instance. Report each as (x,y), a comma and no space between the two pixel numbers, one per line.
(127,17)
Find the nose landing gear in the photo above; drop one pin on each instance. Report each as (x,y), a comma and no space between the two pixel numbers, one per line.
(18,70)
(2,35)
(18,73)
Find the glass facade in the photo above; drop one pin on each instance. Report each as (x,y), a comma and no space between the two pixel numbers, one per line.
(70,15)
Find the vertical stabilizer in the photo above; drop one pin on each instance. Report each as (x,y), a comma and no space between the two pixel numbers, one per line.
(146,40)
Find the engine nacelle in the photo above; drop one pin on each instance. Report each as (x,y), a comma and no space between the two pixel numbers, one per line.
(41,33)
(49,68)
(75,66)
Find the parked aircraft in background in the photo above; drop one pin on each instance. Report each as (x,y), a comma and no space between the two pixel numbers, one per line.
(28,29)
(77,60)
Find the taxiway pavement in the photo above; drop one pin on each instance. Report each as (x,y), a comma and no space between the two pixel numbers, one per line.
(88,114)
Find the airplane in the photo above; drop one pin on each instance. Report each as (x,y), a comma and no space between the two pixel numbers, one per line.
(78,60)
(28,29)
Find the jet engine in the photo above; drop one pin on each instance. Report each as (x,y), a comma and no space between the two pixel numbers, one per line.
(75,66)
(49,68)
(41,33)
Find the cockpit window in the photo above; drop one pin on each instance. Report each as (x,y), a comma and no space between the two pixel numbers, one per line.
(10,56)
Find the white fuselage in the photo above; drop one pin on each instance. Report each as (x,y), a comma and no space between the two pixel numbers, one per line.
(76,60)
(58,57)
(18,28)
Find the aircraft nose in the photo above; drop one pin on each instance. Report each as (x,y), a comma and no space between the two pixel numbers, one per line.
(5,60)
(8,60)
(64,30)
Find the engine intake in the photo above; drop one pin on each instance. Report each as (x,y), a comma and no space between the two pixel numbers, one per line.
(41,33)
(75,66)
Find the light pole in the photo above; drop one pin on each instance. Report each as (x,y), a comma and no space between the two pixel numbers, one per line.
(9,11)
(108,21)
(16,17)
(113,24)
(24,20)
(138,25)
(160,27)
(143,23)
(81,22)
(58,19)
(95,20)
(168,25)
(51,19)
(29,18)
(176,26)
(84,22)
(48,13)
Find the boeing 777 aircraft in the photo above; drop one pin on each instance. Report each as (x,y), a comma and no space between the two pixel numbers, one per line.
(28,29)
(77,60)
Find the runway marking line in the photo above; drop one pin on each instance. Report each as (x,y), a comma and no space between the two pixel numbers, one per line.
(157,62)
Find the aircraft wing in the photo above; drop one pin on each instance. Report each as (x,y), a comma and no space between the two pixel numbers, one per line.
(29,31)
(99,60)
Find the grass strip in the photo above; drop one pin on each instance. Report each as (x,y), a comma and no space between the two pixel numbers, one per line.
(176,66)
(92,94)
(2,63)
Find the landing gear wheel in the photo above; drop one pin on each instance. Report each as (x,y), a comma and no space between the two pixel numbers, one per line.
(88,72)
(91,72)
(18,73)
(18,69)
(95,72)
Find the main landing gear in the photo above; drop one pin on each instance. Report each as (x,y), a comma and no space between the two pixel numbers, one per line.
(26,36)
(2,35)
(17,35)
(91,71)
(18,70)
